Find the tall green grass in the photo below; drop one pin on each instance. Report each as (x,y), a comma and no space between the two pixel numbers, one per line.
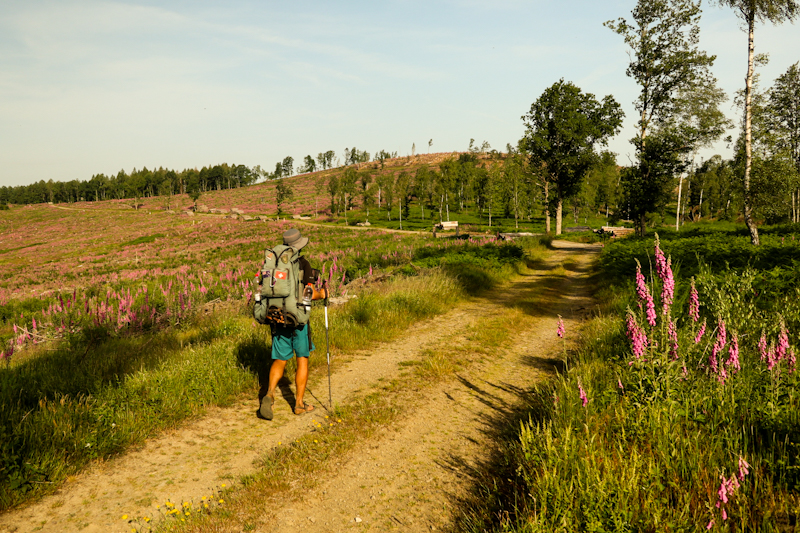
(657,437)
(95,394)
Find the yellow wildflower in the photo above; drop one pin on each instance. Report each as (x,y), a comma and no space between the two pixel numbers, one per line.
(124,517)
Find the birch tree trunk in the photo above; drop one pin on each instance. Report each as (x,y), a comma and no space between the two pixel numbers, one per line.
(748,134)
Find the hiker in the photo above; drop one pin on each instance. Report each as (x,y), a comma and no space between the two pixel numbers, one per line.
(287,338)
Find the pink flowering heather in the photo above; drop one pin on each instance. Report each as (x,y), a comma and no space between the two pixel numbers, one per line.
(637,336)
(584,398)
(733,354)
(672,333)
(700,333)
(644,295)
(694,303)
(560,330)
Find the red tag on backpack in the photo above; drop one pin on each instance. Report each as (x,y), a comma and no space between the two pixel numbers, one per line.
(281,274)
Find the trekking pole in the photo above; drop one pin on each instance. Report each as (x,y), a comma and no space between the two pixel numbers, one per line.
(328,347)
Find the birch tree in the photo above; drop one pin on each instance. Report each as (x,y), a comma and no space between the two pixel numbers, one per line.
(752,11)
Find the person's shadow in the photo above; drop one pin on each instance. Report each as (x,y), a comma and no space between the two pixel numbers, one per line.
(256,356)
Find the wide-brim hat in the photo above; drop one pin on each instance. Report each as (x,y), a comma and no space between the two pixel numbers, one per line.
(293,238)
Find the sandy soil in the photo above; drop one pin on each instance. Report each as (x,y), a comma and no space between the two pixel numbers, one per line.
(407,479)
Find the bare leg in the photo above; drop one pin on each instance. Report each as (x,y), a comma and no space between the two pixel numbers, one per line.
(301,378)
(275,374)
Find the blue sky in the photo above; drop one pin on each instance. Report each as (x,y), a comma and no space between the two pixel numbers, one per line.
(89,86)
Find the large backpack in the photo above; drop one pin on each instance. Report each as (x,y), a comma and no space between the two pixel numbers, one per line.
(280,289)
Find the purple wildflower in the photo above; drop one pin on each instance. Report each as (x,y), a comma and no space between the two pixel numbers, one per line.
(762,346)
(560,330)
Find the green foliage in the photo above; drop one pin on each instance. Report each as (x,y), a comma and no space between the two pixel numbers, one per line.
(563,127)
(283,193)
(476,267)
(642,442)
(670,70)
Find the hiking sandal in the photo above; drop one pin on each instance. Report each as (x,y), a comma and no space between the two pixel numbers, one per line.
(266,407)
(305,408)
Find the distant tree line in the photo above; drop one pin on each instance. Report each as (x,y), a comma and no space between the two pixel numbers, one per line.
(146,183)
(134,185)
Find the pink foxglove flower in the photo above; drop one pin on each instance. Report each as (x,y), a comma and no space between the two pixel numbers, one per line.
(584,398)
(672,333)
(644,295)
(744,468)
(783,343)
(661,260)
(668,287)
(733,354)
(762,346)
(700,333)
(694,303)
(560,330)
(637,336)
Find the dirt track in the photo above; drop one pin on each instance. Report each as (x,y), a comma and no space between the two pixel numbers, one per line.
(407,479)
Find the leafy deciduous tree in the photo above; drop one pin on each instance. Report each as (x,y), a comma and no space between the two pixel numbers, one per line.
(563,127)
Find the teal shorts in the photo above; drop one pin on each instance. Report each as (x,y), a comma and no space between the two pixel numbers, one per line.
(288,340)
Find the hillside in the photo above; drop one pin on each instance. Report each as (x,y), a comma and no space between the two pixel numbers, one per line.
(259,199)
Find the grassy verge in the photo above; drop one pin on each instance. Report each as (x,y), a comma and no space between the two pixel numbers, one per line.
(95,395)
(684,425)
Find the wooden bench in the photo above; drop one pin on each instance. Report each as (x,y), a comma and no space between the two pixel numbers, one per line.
(444,226)
(577,229)
(617,231)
